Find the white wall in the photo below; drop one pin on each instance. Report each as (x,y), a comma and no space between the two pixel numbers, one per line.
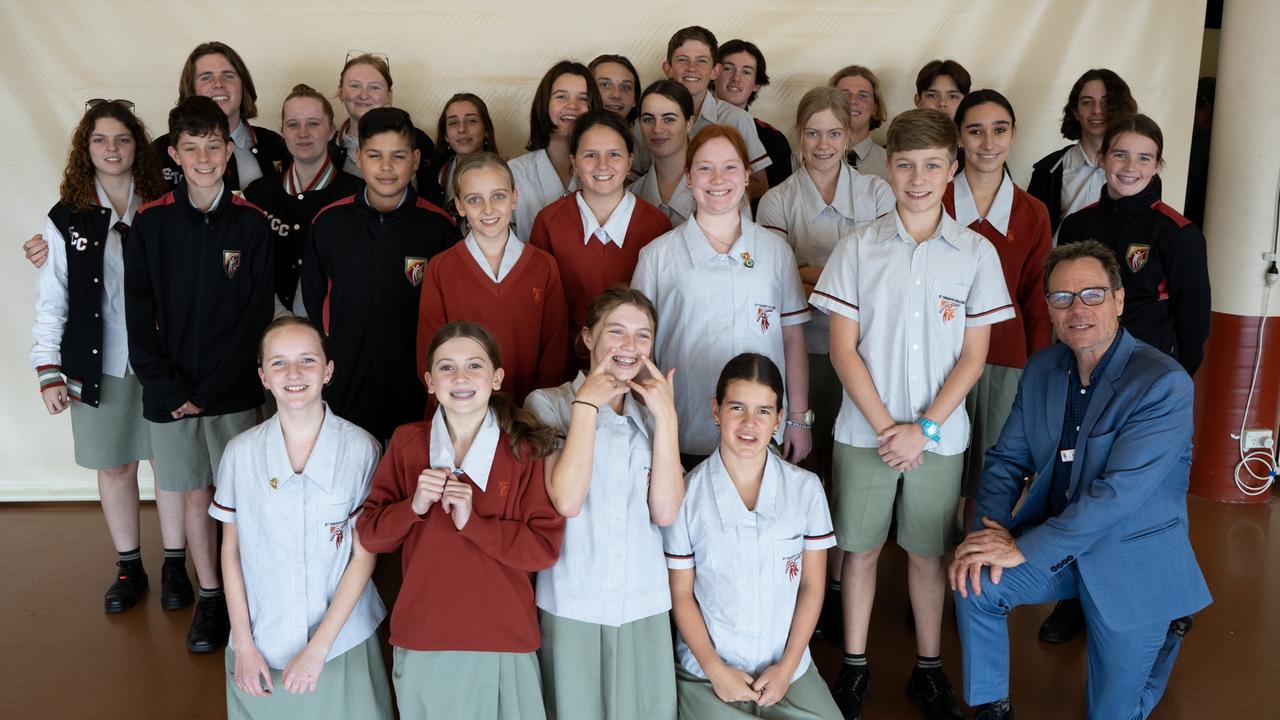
(55,54)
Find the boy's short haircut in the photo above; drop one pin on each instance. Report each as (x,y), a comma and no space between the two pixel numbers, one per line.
(388,119)
(693,32)
(922,129)
(937,68)
(198,116)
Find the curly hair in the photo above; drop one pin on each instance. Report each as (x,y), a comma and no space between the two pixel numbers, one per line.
(78,187)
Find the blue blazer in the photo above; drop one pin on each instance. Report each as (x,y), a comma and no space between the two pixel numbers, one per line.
(1125,524)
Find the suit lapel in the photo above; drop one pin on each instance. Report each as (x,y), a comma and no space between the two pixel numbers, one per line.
(1102,396)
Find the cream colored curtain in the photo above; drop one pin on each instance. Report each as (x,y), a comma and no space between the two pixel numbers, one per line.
(55,54)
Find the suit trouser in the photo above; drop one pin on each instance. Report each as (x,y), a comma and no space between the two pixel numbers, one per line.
(1128,669)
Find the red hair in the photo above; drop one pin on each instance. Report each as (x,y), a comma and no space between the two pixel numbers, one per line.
(711,132)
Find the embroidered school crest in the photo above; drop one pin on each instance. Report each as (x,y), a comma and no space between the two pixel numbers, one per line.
(792,566)
(1137,255)
(763,313)
(230,262)
(337,531)
(947,308)
(504,487)
(537,294)
(414,269)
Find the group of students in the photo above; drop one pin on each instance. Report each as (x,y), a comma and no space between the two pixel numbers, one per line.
(509,368)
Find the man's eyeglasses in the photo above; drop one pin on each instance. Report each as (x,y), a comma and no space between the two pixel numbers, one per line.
(1063,299)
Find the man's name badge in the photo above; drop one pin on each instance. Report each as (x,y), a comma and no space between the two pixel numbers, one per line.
(1067,455)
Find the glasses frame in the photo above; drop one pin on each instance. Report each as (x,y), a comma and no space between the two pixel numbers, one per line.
(95,102)
(1073,295)
(351,54)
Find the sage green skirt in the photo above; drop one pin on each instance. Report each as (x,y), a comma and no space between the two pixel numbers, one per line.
(114,433)
(807,699)
(455,685)
(352,685)
(600,672)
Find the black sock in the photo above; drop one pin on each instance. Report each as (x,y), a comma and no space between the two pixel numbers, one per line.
(130,562)
(855,660)
(207,593)
(929,663)
(175,556)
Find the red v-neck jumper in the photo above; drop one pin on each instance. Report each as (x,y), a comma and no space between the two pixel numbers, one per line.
(525,312)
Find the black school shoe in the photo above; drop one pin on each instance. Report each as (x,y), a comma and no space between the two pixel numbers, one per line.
(1063,623)
(210,626)
(929,689)
(998,710)
(850,690)
(175,587)
(125,592)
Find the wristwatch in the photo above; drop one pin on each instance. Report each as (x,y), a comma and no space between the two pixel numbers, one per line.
(931,429)
(805,422)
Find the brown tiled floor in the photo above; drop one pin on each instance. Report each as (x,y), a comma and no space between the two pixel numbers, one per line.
(62,657)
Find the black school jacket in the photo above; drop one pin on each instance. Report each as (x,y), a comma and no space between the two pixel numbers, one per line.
(361,279)
(273,157)
(1046,184)
(1164,269)
(197,297)
(85,234)
(290,215)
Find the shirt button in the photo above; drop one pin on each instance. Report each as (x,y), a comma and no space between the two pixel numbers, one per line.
(915,347)
(917,281)
(95,351)
(300,198)
(297,226)
(95,243)
(97,315)
(299,263)
(95,280)
(1082,390)
(917,314)
(1077,428)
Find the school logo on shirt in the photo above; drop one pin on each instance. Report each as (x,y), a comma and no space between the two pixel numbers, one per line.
(504,487)
(337,531)
(947,307)
(763,313)
(414,269)
(1137,255)
(791,566)
(230,262)
(537,295)
(77,241)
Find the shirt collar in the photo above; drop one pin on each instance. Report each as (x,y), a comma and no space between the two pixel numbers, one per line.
(729,505)
(710,108)
(1076,158)
(948,229)
(614,229)
(700,250)
(321,464)
(405,196)
(1102,363)
(479,460)
(811,199)
(293,183)
(863,148)
(631,408)
(510,254)
(1001,208)
(243,136)
(105,201)
(217,200)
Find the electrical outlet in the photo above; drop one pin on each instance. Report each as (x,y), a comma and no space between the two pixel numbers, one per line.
(1258,440)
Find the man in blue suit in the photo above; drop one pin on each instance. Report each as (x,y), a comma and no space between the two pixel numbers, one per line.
(1102,423)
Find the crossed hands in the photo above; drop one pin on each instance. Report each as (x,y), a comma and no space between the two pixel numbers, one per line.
(445,487)
(902,446)
(993,548)
(734,685)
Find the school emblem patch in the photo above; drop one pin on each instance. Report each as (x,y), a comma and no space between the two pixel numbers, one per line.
(791,566)
(504,488)
(230,262)
(947,307)
(414,269)
(1136,256)
(763,315)
(537,295)
(337,531)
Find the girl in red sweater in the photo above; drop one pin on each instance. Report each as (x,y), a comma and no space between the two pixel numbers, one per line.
(494,279)
(596,234)
(463,494)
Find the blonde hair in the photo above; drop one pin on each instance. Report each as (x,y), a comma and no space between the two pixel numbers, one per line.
(819,99)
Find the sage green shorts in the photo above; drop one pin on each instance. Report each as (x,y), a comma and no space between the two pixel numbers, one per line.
(352,685)
(807,699)
(988,404)
(600,672)
(456,685)
(114,433)
(187,451)
(865,493)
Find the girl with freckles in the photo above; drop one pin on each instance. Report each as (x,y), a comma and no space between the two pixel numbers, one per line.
(603,606)
(304,612)
(464,496)
(747,563)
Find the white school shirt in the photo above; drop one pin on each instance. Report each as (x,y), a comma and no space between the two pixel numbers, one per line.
(510,255)
(537,186)
(967,210)
(1082,181)
(614,229)
(918,300)
(812,228)
(479,460)
(53,299)
(295,532)
(681,206)
(718,112)
(747,564)
(611,569)
(714,307)
(247,167)
(872,158)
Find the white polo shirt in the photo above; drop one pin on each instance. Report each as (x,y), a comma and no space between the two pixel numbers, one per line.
(872,158)
(537,186)
(713,306)
(611,569)
(510,255)
(812,228)
(1082,181)
(614,229)
(295,532)
(747,564)
(718,112)
(919,298)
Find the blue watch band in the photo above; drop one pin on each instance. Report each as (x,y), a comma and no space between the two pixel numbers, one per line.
(931,429)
